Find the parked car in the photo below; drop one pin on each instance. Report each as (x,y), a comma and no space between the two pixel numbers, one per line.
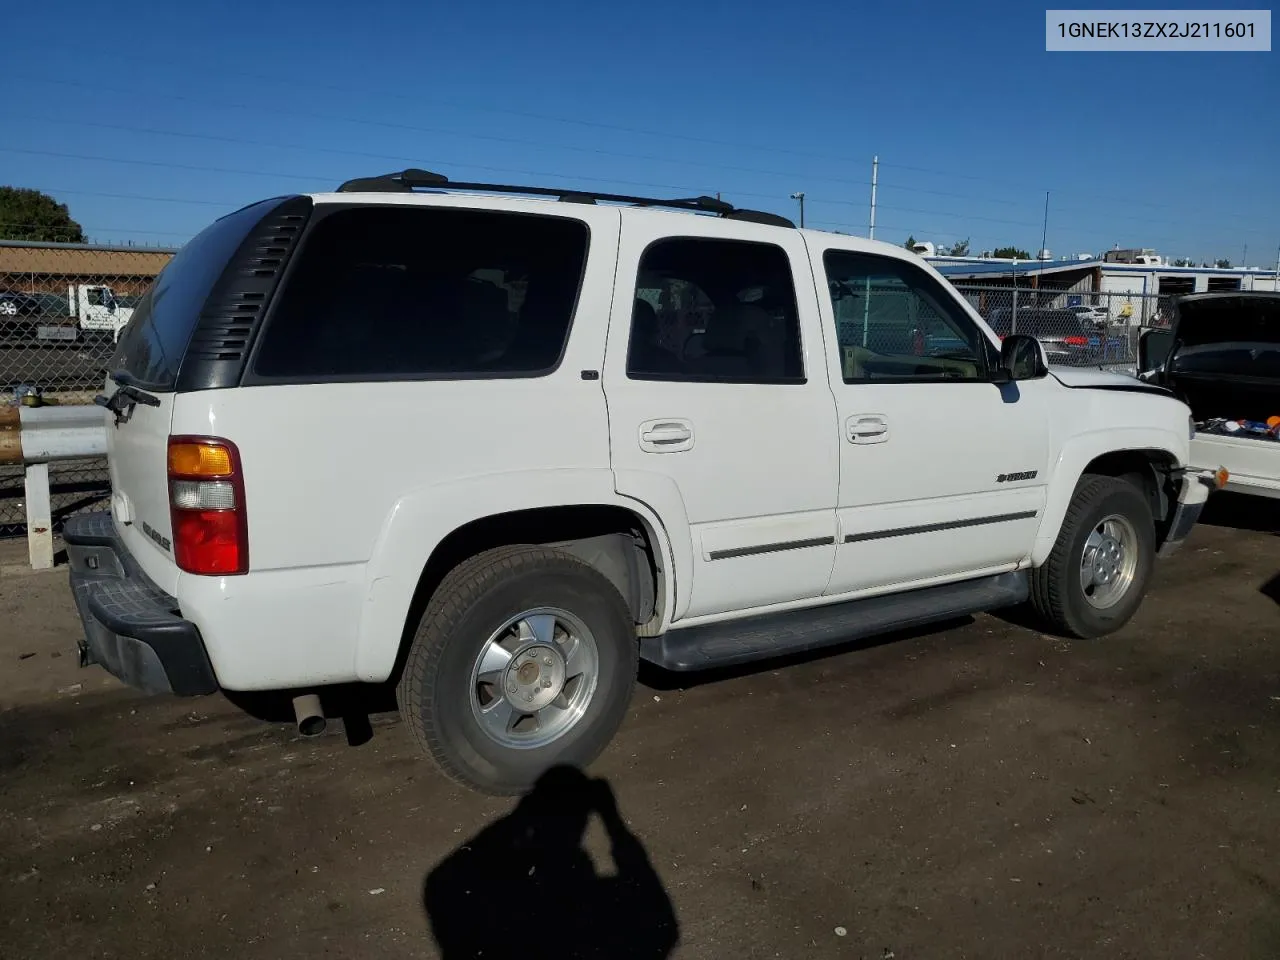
(1099,316)
(16,309)
(1068,338)
(496,449)
(1221,356)
(36,319)
(13,304)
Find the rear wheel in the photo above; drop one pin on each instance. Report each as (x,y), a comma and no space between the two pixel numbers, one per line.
(1096,576)
(525,658)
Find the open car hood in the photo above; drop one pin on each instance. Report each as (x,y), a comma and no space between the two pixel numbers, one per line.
(1227,318)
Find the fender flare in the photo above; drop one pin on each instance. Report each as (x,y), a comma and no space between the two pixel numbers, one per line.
(1076,454)
(420,520)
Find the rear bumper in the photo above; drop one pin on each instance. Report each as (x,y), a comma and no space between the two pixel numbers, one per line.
(133,629)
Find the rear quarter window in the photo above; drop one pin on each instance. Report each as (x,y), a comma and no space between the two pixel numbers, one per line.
(405,292)
(152,344)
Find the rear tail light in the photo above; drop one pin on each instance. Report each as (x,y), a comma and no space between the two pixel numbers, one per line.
(1076,341)
(206,503)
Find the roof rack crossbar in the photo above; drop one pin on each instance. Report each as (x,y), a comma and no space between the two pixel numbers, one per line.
(406,180)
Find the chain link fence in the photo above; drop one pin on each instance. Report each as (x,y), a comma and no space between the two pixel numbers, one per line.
(61,306)
(1077,327)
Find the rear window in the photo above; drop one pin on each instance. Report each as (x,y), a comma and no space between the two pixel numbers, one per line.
(401,292)
(153,342)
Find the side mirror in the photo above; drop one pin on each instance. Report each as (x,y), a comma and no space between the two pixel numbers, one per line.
(1154,347)
(1021,358)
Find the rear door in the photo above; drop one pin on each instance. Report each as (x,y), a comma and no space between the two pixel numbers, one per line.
(716,387)
(150,352)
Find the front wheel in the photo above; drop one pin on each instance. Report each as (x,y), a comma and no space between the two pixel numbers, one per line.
(524,659)
(1096,575)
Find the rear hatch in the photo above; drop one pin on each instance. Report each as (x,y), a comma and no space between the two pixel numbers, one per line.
(158,356)
(1223,360)
(1225,356)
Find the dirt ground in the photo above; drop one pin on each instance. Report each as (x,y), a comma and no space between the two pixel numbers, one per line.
(981,790)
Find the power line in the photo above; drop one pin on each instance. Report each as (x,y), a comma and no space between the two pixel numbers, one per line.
(42,226)
(312,178)
(621,128)
(418,100)
(1025,186)
(135,196)
(218,138)
(164,164)
(413,128)
(542,174)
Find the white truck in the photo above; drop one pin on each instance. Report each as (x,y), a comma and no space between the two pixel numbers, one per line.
(1221,356)
(493,445)
(97,309)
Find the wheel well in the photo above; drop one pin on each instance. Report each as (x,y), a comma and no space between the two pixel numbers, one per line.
(614,540)
(1152,472)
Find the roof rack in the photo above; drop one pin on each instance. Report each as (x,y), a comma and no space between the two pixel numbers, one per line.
(406,180)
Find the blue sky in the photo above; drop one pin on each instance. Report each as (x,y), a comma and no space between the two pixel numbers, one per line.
(209,107)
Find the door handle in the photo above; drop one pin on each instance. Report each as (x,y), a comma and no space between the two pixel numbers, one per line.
(867,428)
(666,436)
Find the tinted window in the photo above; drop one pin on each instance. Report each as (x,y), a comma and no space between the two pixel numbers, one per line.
(400,291)
(1230,359)
(153,342)
(715,311)
(896,322)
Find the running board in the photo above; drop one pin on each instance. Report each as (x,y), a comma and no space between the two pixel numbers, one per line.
(778,634)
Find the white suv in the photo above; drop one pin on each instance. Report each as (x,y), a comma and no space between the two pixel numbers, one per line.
(497,448)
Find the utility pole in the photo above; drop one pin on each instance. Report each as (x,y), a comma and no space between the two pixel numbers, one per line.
(1244,257)
(875,176)
(800,196)
(1044,233)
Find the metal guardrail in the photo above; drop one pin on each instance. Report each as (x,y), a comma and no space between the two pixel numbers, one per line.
(37,436)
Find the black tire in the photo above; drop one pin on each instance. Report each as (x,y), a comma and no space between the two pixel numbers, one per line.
(475,599)
(1056,591)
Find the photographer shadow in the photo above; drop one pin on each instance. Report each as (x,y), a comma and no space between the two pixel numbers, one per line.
(525,887)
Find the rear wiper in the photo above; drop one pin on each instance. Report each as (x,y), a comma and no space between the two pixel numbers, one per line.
(128,385)
(125,397)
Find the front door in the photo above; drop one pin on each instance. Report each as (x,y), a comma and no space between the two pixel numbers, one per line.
(717,389)
(942,472)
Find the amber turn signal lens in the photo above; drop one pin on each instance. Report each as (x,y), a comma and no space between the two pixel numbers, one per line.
(199,460)
(1220,477)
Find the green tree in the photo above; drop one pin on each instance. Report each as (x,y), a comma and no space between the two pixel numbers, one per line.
(911,241)
(1010,253)
(1184,262)
(31,215)
(1224,263)
(960,248)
